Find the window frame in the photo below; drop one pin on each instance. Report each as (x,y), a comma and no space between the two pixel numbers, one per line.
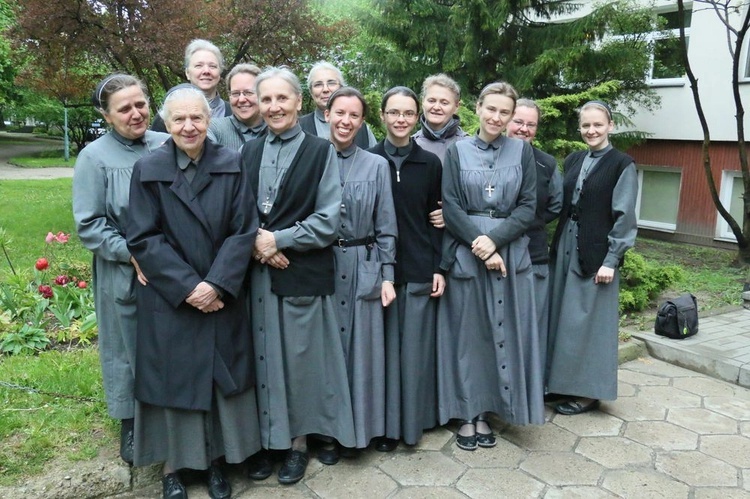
(651,224)
(723,232)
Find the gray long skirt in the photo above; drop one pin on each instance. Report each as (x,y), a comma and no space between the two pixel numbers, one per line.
(488,344)
(411,374)
(584,322)
(192,439)
(541,296)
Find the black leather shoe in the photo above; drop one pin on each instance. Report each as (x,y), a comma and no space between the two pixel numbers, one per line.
(385,444)
(259,465)
(349,452)
(126,440)
(329,456)
(172,487)
(218,486)
(293,469)
(486,440)
(467,442)
(573,407)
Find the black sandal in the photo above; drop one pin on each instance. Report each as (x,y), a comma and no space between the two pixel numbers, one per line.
(466,442)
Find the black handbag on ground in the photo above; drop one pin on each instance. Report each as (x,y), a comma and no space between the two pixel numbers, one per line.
(677,318)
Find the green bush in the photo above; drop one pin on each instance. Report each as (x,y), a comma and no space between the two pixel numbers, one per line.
(641,281)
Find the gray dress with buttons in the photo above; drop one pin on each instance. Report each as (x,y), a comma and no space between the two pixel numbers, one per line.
(366,210)
(584,317)
(488,346)
(101,193)
(301,379)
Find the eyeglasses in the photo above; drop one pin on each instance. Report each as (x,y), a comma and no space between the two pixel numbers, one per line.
(235,94)
(521,124)
(330,84)
(393,113)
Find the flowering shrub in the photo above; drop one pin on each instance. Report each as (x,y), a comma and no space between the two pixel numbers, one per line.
(50,301)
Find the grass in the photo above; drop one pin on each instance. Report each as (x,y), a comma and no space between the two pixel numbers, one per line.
(36,427)
(31,208)
(43,162)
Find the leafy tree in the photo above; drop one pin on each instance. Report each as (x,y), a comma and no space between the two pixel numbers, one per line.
(8,92)
(735,16)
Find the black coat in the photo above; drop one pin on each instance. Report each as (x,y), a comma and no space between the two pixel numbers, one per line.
(182,234)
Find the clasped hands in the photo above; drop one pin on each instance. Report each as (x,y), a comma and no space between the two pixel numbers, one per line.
(266,252)
(205,298)
(485,249)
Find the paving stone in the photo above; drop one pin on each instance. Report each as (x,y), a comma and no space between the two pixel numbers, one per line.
(576,492)
(731,406)
(702,421)
(720,493)
(746,479)
(640,379)
(668,396)
(504,455)
(644,485)
(697,469)
(547,437)
(745,428)
(434,439)
(614,452)
(590,424)
(648,365)
(733,449)
(346,480)
(423,468)
(480,484)
(555,468)
(625,389)
(298,491)
(634,409)
(427,493)
(661,435)
(705,386)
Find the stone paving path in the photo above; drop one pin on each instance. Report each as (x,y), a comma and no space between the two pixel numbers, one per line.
(672,433)
(28,144)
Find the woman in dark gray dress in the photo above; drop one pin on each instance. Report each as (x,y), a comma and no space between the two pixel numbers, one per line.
(597,226)
(101,193)
(488,346)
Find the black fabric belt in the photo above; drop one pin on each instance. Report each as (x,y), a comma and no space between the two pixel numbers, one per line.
(489,213)
(363,241)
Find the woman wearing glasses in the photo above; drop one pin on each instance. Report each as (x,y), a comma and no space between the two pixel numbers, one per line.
(410,321)
(323,79)
(488,346)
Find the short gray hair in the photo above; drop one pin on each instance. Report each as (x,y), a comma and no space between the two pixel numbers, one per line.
(441,80)
(324,65)
(244,68)
(165,112)
(530,103)
(278,72)
(201,44)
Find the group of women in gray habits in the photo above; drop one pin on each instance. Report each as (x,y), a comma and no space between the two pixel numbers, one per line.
(361,320)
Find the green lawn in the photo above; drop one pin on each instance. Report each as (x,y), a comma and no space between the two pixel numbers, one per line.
(34,162)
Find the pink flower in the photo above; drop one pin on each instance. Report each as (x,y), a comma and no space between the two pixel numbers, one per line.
(41,264)
(62,237)
(50,237)
(46,291)
(62,280)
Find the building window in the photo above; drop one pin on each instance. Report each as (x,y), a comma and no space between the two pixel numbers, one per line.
(730,195)
(666,59)
(658,198)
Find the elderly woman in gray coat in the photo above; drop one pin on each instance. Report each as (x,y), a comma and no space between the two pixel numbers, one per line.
(101,191)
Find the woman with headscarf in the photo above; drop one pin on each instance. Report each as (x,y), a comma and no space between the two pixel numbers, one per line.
(101,193)
(191,229)
(488,345)
(597,226)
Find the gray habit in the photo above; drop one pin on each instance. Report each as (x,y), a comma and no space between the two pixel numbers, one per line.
(488,343)
(301,380)
(366,210)
(232,133)
(101,190)
(584,317)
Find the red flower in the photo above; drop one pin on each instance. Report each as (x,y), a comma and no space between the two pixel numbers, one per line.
(41,264)
(62,280)
(46,291)
(82,284)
